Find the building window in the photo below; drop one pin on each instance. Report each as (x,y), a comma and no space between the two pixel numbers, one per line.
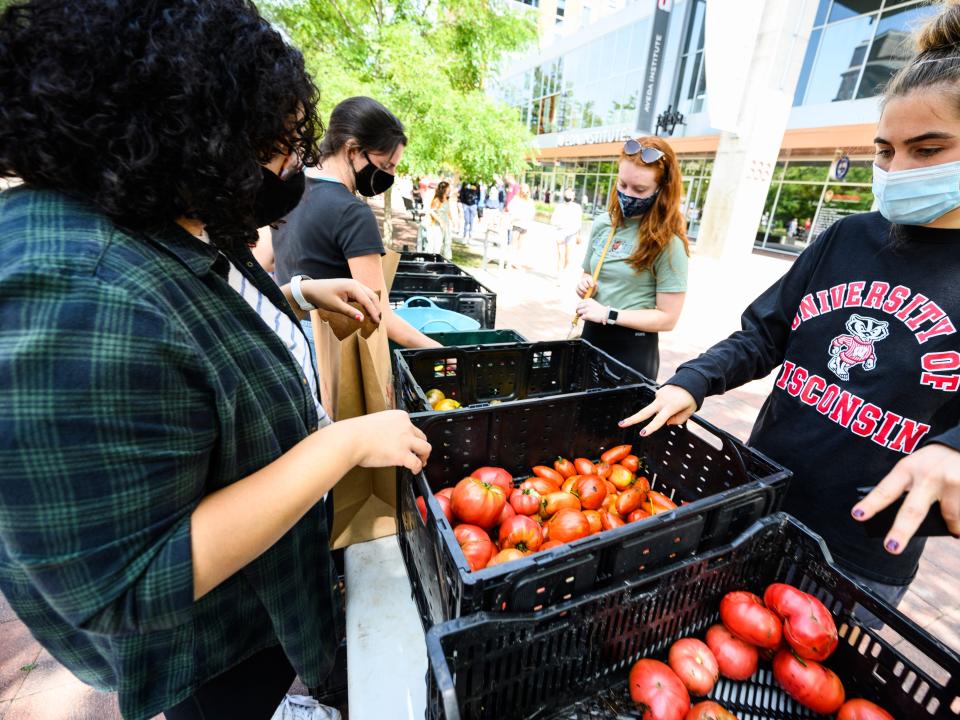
(692,88)
(856,48)
(804,200)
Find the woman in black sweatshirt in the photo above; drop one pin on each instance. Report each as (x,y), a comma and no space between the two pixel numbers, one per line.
(865,327)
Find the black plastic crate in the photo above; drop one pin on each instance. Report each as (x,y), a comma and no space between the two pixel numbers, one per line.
(478,375)
(725,485)
(481,306)
(572,662)
(426,283)
(429,268)
(422,257)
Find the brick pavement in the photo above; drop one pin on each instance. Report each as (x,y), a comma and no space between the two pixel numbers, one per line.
(538,303)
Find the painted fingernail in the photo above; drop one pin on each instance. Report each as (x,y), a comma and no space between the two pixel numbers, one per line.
(359,317)
(858,513)
(643,433)
(622,423)
(892,545)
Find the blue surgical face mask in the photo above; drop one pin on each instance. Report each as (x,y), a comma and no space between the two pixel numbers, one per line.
(632,206)
(918,196)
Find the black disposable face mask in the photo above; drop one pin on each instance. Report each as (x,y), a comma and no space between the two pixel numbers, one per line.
(277,198)
(371,180)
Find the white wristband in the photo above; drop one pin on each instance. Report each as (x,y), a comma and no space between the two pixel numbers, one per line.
(298,293)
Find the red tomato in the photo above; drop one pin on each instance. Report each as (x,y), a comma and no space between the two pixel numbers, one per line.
(631,463)
(609,521)
(444,502)
(604,469)
(475,544)
(659,502)
(505,556)
(564,467)
(544,487)
(591,491)
(505,514)
(447,492)
(520,532)
(736,659)
(621,477)
(659,692)
(629,501)
(556,501)
(695,665)
(568,525)
(593,517)
(550,474)
(808,682)
(476,502)
(570,485)
(551,544)
(642,484)
(637,515)
(525,502)
(495,476)
(746,617)
(422,507)
(709,710)
(807,624)
(616,454)
(585,467)
(862,710)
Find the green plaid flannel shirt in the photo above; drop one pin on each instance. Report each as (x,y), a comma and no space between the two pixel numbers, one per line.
(133,382)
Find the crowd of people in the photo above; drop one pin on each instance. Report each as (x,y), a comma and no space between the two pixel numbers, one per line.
(164,526)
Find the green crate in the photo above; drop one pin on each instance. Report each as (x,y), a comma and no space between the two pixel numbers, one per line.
(471,337)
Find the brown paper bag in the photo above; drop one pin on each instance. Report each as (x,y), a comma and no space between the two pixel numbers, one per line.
(353,362)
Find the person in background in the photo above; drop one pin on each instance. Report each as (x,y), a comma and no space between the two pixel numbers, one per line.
(416,195)
(863,329)
(511,190)
(469,198)
(164,452)
(567,219)
(643,280)
(332,233)
(521,214)
(438,225)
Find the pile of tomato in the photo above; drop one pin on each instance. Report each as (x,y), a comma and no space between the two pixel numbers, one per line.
(495,522)
(788,625)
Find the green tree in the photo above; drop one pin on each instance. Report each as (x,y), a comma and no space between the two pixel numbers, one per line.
(428,62)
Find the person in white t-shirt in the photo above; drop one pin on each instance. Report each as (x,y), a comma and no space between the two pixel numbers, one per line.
(567,218)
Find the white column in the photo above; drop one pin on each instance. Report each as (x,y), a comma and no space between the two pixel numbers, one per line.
(746,158)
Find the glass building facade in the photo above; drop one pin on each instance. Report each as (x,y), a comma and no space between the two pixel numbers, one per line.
(594,85)
(854,49)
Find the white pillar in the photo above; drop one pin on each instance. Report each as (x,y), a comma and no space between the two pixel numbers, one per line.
(746,159)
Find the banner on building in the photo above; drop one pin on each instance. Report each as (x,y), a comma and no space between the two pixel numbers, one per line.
(651,80)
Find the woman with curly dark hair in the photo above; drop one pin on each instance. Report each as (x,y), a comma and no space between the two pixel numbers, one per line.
(164,452)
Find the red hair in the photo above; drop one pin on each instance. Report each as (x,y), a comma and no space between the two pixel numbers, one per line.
(661,222)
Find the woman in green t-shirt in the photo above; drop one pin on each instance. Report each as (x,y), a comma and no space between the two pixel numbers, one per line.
(643,278)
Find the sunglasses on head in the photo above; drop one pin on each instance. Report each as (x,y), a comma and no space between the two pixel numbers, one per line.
(647,154)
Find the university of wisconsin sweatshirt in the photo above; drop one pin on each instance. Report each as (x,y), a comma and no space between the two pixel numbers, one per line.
(864,327)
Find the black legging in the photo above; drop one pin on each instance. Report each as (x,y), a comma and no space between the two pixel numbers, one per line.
(635,349)
(251,690)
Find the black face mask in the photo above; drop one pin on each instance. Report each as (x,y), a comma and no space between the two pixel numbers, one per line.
(371,180)
(277,198)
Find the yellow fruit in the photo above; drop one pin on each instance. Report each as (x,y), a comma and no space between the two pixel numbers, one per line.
(434,396)
(446,404)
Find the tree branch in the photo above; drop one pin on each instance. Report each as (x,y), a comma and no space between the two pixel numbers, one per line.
(346,21)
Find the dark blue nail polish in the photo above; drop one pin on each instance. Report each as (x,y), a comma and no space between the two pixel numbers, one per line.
(892,545)
(858,513)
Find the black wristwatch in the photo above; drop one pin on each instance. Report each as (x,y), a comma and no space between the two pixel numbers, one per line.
(612,316)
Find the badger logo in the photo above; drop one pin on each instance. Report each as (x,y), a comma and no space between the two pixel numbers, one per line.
(848,351)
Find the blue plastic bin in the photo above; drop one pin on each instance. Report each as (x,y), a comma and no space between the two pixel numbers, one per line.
(424,314)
